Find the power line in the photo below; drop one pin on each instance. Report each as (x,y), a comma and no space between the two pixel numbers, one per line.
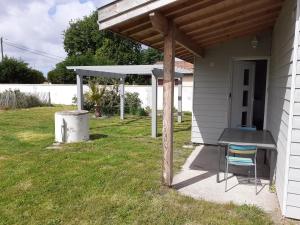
(33,51)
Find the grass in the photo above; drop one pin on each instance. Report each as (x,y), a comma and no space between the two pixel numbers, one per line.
(113,179)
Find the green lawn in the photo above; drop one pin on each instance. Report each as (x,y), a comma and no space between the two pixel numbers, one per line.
(113,179)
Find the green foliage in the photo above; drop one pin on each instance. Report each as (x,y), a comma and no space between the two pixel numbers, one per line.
(133,104)
(87,46)
(151,56)
(83,37)
(96,92)
(17,71)
(61,75)
(14,99)
(111,101)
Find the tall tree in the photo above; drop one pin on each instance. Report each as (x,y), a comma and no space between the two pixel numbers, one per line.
(83,37)
(86,45)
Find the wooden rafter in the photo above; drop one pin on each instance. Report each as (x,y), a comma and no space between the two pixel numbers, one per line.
(160,24)
(249,24)
(236,34)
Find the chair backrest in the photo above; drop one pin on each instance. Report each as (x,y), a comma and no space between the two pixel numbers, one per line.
(247,128)
(242,149)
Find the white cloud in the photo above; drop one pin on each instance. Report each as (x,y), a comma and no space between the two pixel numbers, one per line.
(29,23)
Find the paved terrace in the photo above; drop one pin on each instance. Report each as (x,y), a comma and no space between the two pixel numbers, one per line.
(198,179)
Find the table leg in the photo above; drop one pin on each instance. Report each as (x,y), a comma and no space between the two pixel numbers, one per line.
(273,162)
(219,169)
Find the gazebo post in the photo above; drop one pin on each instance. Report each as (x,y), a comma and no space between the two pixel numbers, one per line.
(179,108)
(79,92)
(154,107)
(121,89)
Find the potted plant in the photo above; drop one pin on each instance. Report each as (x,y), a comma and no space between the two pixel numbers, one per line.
(95,95)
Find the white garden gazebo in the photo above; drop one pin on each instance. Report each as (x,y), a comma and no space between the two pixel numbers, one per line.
(120,72)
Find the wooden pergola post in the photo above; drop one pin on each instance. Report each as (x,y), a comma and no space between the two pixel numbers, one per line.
(168,97)
(179,108)
(79,82)
(154,107)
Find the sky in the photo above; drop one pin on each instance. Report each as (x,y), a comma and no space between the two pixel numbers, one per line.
(39,25)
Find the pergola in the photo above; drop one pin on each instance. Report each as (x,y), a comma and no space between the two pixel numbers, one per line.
(120,72)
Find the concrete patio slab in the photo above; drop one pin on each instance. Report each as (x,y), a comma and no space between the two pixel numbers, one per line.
(198,179)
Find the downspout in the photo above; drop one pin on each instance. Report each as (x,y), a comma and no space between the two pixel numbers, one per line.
(291,109)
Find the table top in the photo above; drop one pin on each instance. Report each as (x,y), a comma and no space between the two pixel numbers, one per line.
(261,138)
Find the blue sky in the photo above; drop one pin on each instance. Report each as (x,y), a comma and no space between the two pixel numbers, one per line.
(39,24)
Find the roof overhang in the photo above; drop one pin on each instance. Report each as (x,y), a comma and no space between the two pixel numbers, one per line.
(200,24)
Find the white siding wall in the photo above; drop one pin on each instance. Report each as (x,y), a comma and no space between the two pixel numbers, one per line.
(212,85)
(293,186)
(280,82)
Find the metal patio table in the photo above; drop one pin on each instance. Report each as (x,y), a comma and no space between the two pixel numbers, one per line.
(261,138)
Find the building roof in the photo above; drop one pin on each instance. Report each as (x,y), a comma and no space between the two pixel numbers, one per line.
(199,24)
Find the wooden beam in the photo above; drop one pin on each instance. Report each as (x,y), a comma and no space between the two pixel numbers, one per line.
(160,24)
(247,32)
(168,97)
(215,23)
(255,22)
(237,31)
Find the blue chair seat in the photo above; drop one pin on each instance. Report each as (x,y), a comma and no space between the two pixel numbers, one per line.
(240,161)
(242,147)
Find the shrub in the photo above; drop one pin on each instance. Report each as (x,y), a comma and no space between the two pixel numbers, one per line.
(132,103)
(110,103)
(12,99)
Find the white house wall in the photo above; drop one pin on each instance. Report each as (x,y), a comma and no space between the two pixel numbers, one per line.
(293,183)
(212,85)
(280,83)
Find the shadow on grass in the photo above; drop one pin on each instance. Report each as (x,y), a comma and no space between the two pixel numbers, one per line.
(97,136)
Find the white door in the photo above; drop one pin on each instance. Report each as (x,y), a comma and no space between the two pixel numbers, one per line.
(242,93)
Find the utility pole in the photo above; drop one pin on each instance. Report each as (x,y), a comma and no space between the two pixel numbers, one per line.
(1,43)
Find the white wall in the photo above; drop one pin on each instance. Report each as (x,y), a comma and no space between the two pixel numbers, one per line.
(212,82)
(293,160)
(63,93)
(279,90)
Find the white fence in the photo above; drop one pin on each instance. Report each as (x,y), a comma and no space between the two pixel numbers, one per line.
(64,93)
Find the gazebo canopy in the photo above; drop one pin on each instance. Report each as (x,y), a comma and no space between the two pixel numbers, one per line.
(120,71)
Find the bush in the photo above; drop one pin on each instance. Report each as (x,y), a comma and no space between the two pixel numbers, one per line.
(16,71)
(110,104)
(13,99)
(133,105)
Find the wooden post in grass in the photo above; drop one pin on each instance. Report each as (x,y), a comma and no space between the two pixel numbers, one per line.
(179,108)
(154,107)
(121,89)
(168,97)
(79,79)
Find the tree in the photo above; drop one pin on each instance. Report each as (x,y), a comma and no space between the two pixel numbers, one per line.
(61,75)
(17,71)
(86,45)
(83,37)
(151,56)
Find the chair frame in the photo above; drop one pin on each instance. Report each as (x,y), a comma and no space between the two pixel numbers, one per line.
(241,152)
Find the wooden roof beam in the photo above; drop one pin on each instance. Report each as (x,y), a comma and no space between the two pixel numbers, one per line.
(161,24)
